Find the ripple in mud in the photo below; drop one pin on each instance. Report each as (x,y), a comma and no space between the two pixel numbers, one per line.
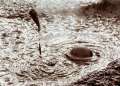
(58,37)
(95,36)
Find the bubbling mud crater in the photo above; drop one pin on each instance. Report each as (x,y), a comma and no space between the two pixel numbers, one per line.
(60,35)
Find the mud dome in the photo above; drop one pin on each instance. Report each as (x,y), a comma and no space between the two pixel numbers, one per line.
(20,62)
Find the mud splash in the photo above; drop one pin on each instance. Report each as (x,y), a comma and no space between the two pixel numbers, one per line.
(20,60)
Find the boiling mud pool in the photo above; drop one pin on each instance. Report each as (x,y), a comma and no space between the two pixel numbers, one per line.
(59,33)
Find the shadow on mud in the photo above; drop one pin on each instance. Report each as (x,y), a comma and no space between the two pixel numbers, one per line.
(104,9)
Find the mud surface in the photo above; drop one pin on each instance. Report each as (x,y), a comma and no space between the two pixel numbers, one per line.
(20,61)
(106,77)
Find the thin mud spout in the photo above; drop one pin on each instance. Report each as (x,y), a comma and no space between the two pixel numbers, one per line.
(39,48)
(34,16)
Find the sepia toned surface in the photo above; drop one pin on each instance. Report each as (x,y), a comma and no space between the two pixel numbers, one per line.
(20,61)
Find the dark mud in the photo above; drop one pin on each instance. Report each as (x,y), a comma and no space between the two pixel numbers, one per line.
(110,76)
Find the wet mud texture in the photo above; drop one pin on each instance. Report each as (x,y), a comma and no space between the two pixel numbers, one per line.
(105,9)
(110,76)
(20,60)
(12,10)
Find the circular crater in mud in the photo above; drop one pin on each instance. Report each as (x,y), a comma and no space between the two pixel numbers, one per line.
(82,55)
(101,49)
